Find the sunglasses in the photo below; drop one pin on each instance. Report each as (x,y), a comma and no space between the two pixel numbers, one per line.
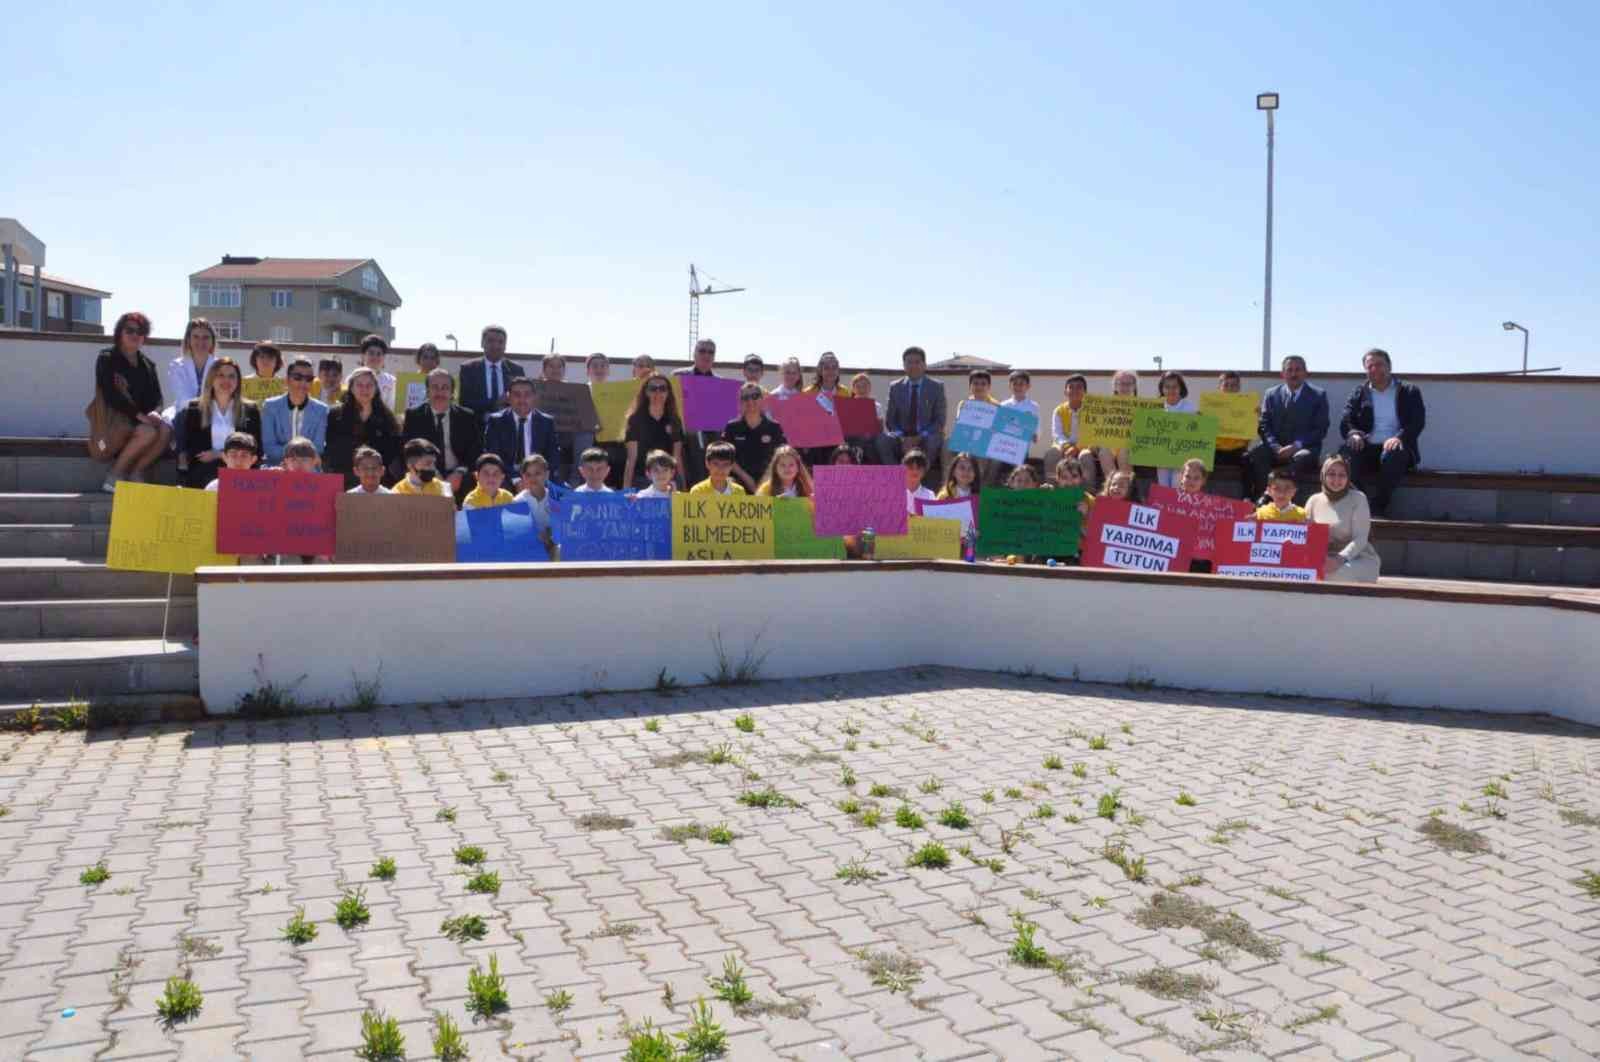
(656,390)
(134,332)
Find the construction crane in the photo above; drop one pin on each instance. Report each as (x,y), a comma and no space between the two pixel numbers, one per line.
(695,291)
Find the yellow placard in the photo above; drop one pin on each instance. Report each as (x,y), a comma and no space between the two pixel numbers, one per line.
(1236,413)
(412,388)
(163,529)
(926,538)
(722,527)
(260,388)
(611,401)
(1107,420)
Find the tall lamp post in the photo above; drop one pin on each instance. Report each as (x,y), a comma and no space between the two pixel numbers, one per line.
(1512,326)
(451,336)
(1267,101)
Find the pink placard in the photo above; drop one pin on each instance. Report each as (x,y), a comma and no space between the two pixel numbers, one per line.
(850,498)
(709,402)
(805,422)
(1207,510)
(858,416)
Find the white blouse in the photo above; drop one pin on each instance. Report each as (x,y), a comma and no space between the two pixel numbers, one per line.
(222,424)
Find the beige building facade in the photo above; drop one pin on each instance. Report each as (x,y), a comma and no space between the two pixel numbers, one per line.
(295,300)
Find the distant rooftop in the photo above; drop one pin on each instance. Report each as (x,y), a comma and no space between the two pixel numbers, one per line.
(968,361)
(240,267)
(60,283)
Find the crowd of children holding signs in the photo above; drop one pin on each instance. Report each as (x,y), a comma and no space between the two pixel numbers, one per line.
(495,466)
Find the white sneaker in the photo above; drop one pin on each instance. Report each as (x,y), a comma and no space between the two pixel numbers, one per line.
(110,485)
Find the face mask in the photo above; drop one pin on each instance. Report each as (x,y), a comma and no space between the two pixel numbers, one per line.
(426,474)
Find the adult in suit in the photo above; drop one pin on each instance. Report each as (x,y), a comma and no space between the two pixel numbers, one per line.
(217,413)
(486,381)
(521,430)
(915,415)
(1383,419)
(1292,425)
(293,413)
(454,429)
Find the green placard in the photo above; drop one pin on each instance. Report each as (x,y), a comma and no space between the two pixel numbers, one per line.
(1042,522)
(1167,440)
(796,540)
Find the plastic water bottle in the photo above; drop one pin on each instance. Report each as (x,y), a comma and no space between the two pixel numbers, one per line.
(869,544)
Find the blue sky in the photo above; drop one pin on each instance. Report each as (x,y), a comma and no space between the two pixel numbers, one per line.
(1046,186)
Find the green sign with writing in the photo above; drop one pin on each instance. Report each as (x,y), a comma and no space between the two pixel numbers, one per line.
(1042,522)
(1167,440)
(796,540)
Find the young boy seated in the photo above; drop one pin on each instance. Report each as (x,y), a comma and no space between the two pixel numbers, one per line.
(368,465)
(720,457)
(422,472)
(488,493)
(915,463)
(662,469)
(594,466)
(238,453)
(536,492)
(1281,486)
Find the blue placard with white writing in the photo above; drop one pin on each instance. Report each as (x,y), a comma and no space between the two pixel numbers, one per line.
(612,527)
(499,534)
(1003,433)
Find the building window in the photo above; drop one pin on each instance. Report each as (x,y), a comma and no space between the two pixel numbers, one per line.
(369,279)
(226,329)
(55,305)
(86,309)
(282,299)
(224,296)
(25,299)
(282,334)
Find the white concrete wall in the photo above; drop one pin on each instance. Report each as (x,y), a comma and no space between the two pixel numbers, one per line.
(538,636)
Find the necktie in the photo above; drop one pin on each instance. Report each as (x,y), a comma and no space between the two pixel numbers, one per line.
(294,419)
(494,383)
(916,425)
(522,441)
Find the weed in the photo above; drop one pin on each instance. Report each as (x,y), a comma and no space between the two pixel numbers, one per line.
(1080,770)
(599,820)
(665,685)
(485,881)
(1321,955)
(1327,1013)
(500,776)
(1589,882)
(1053,762)
(987,796)
(870,817)
(1496,788)
(1111,769)
(198,947)
(1099,743)
(1167,983)
(849,805)
(1024,950)
(1109,804)
(180,1002)
(855,872)
(1579,817)
(384,869)
(470,855)
(746,671)
(720,834)
(1493,810)
(4,810)
(381,1038)
(931,855)
(1172,910)
(1099,903)
(955,817)
(649,1044)
(766,798)
(878,789)
(1116,854)
(1227,830)
(907,818)
(1009,839)
(463,928)
(1127,728)
(268,700)
(625,930)
(298,930)
(704,1038)
(719,754)
(731,987)
(991,864)
(1453,838)
(652,726)
(897,972)
(95,875)
(847,777)
(745,723)
(1044,811)
(850,728)
(1185,800)
(1228,1021)
(73,715)
(446,814)
(930,785)
(558,1001)
(1013,792)
(365,694)
(486,990)
(448,1046)
(351,910)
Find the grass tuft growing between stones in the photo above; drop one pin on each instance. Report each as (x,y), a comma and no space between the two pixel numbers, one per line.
(599,820)
(1175,910)
(896,971)
(1167,983)
(1452,837)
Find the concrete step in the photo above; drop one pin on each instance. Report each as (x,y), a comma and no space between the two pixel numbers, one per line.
(78,509)
(86,669)
(138,617)
(1543,554)
(56,578)
(53,540)
(31,472)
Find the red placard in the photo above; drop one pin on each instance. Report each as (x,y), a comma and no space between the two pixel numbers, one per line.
(1206,509)
(858,417)
(1141,538)
(1272,549)
(276,512)
(805,422)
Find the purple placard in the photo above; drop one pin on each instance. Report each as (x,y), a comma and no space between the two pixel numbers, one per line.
(850,498)
(709,402)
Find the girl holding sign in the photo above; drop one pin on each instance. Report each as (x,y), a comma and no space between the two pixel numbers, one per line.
(1175,393)
(1126,384)
(786,476)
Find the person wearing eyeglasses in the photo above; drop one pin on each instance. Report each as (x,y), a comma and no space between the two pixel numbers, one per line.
(694,443)
(294,413)
(755,437)
(130,387)
(652,424)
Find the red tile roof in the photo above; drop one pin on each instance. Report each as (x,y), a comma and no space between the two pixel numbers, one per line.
(282,269)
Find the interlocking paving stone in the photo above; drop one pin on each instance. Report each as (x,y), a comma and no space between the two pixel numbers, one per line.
(1305,830)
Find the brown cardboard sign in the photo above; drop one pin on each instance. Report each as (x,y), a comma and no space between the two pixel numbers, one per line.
(570,404)
(394,529)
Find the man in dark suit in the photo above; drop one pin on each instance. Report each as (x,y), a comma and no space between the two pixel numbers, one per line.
(1293,423)
(521,430)
(454,429)
(914,417)
(486,381)
(1383,419)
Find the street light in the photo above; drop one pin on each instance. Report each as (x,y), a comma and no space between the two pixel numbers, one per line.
(1512,326)
(1267,101)
(451,336)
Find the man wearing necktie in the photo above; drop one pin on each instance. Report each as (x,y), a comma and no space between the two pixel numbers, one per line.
(454,429)
(915,415)
(521,431)
(486,381)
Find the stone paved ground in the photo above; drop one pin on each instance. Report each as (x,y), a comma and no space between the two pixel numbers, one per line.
(1329,926)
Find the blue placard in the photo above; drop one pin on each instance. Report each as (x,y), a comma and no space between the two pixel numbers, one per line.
(1000,432)
(501,533)
(610,527)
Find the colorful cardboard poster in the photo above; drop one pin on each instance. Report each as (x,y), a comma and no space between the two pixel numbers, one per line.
(1035,522)
(963,510)
(592,526)
(1107,420)
(163,529)
(722,527)
(926,538)
(709,402)
(277,512)
(1238,415)
(1167,440)
(258,389)
(1272,549)
(394,529)
(1207,510)
(499,535)
(570,404)
(611,402)
(412,390)
(805,421)
(858,417)
(1001,433)
(852,498)
(1142,538)
(793,524)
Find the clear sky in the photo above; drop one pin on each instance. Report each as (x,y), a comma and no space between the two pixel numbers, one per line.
(1043,186)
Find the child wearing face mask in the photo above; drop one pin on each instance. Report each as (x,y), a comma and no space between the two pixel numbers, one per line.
(422,473)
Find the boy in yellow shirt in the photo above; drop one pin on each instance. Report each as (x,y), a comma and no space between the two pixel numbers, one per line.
(1281,486)
(490,472)
(719,470)
(422,473)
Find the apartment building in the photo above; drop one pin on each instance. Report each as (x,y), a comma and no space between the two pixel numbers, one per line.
(295,300)
(68,306)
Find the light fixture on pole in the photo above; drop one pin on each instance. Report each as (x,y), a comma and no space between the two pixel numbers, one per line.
(1157,360)
(451,336)
(1267,101)
(1512,326)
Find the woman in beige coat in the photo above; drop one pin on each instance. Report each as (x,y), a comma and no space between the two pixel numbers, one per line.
(1351,558)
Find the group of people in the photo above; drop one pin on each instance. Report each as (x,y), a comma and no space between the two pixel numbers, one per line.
(482,439)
